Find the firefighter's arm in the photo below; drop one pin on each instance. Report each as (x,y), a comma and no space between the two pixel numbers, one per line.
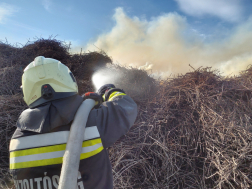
(115,116)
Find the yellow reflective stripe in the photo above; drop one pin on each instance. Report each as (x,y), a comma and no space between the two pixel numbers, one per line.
(48,149)
(37,163)
(89,154)
(115,94)
(91,142)
(53,161)
(49,139)
(38,150)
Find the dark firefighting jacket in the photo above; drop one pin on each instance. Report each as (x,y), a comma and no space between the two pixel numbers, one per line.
(38,144)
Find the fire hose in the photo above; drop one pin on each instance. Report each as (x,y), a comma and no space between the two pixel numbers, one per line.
(71,158)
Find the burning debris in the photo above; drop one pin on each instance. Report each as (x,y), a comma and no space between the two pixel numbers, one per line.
(192,131)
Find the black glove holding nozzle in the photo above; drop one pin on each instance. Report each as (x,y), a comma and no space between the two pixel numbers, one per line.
(102,94)
(96,97)
(106,90)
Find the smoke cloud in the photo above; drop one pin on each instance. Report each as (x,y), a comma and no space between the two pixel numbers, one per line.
(167,45)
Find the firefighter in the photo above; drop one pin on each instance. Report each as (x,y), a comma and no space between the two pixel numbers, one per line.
(37,146)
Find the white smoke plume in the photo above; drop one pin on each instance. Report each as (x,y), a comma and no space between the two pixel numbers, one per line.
(167,46)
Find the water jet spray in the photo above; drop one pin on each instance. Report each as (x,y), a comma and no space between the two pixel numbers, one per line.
(105,76)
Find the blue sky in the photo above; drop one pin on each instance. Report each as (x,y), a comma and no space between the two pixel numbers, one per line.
(198,23)
(81,21)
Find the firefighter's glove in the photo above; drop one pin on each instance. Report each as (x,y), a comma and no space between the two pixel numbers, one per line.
(105,88)
(108,92)
(111,93)
(96,97)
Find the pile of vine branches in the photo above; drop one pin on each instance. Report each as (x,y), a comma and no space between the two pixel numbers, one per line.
(192,131)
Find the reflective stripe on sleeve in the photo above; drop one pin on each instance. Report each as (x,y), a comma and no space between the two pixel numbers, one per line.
(49,139)
(115,94)
(50,155)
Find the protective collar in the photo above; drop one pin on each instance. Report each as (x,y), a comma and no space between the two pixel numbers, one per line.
(50,115)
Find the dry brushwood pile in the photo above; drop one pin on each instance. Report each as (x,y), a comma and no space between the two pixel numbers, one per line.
(192,131)
(195,132)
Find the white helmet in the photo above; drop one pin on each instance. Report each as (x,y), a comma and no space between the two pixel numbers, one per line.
(47,79)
